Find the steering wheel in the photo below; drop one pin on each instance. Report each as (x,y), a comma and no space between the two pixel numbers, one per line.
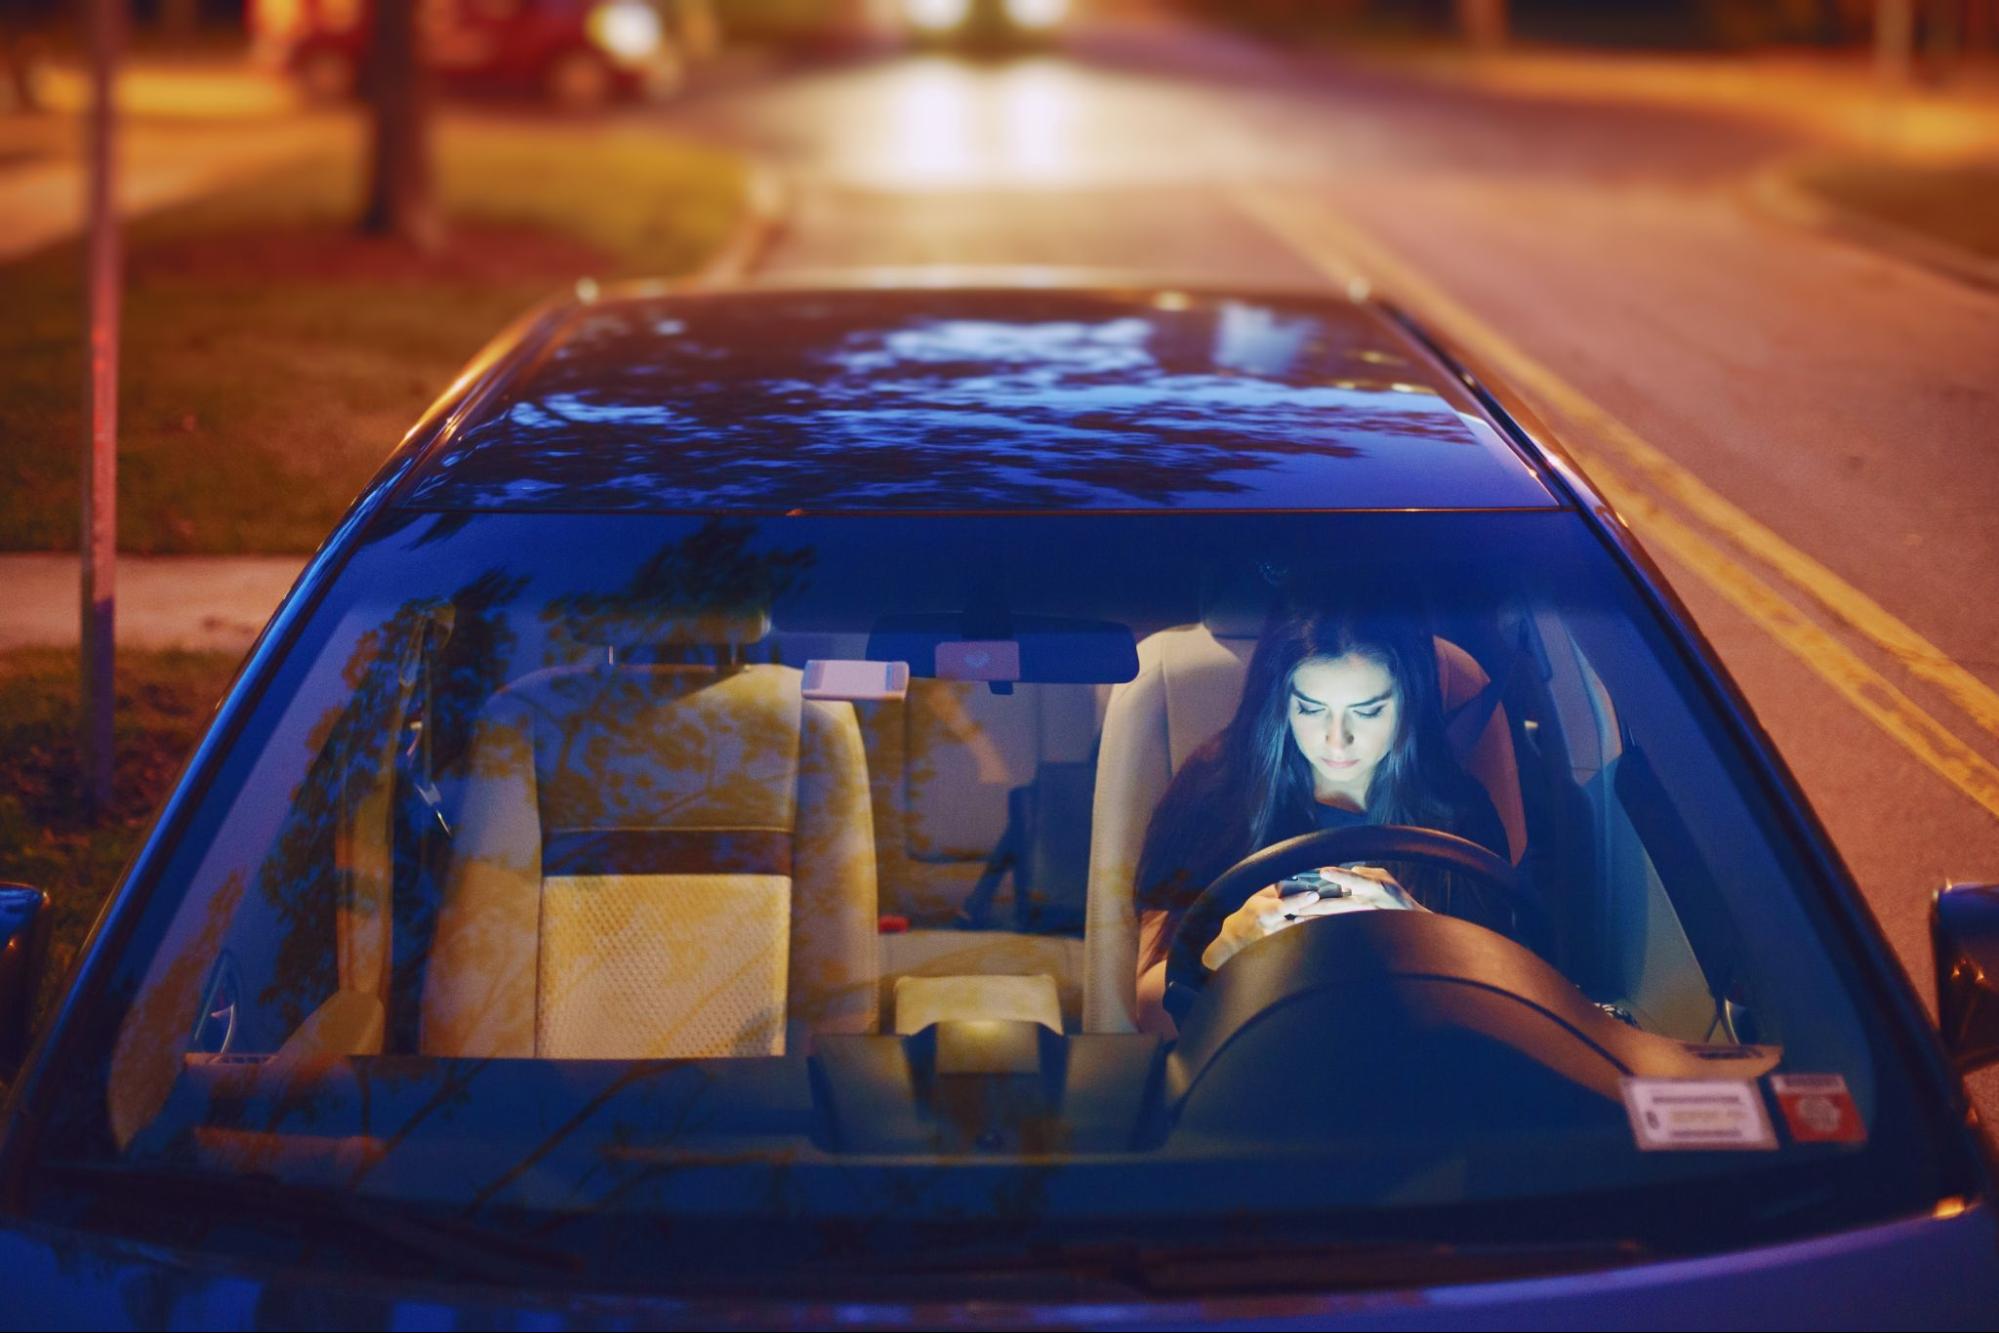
(1185,976)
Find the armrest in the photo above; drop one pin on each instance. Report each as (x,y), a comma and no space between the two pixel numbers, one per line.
(921,1001)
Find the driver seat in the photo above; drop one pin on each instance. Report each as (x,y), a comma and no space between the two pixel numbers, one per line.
(1188,685)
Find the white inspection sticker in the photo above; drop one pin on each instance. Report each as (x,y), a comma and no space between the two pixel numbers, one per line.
(1699,1114)
(846,678)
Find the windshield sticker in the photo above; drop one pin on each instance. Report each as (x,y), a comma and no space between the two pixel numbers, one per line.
(1817,1108)
(1696,1114)
(850,678)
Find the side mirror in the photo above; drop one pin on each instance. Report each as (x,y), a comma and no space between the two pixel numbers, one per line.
(24,950)
(1964,932)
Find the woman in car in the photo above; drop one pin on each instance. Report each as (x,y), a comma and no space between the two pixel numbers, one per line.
(1341,723)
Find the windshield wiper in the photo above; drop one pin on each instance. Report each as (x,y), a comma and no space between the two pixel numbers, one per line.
(474,1249)
(1192,1271)
(1351,1267)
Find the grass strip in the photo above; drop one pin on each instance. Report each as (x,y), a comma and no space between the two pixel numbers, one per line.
(1956,205)
(165,700)
(272,356)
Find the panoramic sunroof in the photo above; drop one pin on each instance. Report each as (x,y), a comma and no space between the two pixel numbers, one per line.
(982,401)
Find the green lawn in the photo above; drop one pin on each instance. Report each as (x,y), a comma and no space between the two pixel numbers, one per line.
(272,357)
(1956,206)
(164,703)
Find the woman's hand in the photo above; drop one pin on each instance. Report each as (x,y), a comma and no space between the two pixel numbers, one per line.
(1265,913)
(1367,887)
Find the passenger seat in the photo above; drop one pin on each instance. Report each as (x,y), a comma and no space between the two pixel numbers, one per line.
(656,862)
(951,767)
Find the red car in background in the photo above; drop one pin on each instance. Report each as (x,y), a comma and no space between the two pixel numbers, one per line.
(578,54)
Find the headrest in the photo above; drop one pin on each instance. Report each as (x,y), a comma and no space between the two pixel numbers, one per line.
(612,623)
(1236,603)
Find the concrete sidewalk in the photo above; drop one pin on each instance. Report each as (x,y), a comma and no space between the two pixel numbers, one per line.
(1834,97)
(216,603)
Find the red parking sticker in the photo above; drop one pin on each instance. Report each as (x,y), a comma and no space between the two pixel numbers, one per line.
(1818,1108)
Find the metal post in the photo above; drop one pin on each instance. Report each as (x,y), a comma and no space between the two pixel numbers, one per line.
(100,464)
(1894,40)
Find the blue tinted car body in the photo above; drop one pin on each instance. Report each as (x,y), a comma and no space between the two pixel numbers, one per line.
(634,405)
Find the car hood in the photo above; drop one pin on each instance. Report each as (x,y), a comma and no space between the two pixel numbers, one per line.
(1932,1272)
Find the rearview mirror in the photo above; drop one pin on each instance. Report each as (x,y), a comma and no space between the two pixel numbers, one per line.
(24,945)
(1964,932)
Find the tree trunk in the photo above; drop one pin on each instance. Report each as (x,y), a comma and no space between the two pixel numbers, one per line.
(1483,23)
(402,198)
(180,18)
(1894,40)
(19,54)
(1945,31)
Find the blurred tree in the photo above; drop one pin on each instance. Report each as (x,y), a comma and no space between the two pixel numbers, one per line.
(402,193)
(1483,22)
(20,52)
(180,19)
(1894,39)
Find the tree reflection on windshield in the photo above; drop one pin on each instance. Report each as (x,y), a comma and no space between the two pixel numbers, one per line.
(792,403)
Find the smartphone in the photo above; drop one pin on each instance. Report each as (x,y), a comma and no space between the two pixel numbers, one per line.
(1310,881)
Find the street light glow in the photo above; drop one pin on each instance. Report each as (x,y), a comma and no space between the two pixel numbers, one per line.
(1037,13)
(937,15)
(627,29)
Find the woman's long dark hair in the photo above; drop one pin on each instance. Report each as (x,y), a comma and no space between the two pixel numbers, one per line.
(1249,786)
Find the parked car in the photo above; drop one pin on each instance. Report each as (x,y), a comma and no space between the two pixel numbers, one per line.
(578,54)
(674,859)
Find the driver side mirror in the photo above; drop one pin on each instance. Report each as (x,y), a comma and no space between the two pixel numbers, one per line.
(1964,933)
(24,948)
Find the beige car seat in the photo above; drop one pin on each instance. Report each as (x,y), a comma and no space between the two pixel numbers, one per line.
(1188,685)
(942,762)
(657,861)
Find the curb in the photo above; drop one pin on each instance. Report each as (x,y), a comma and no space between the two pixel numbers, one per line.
(769,206)
(1777,193)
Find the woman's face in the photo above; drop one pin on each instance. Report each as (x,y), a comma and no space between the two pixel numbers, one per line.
(1344,715)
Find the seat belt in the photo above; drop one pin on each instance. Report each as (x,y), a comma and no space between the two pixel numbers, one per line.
(1464,724)
(976,912)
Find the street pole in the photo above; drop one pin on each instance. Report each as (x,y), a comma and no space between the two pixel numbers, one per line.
(100,464)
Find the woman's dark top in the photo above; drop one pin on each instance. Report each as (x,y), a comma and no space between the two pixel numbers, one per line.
(1439,890)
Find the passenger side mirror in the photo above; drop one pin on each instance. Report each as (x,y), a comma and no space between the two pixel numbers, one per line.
(24,949)
(1964,932)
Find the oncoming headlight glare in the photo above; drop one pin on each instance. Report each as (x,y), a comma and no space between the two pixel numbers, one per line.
(936,15)
(1037,13)
(627,29)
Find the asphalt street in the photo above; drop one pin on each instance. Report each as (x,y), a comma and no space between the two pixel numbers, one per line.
(1834,404)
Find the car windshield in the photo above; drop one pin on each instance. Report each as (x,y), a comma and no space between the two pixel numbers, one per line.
(803,874)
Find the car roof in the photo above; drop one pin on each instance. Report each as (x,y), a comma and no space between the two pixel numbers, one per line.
(976,400)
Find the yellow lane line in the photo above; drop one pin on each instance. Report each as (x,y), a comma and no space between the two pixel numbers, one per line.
(1333,246)
(1862,686)
(1870,693)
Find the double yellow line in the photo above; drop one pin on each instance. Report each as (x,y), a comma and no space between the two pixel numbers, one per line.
(1615,455)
